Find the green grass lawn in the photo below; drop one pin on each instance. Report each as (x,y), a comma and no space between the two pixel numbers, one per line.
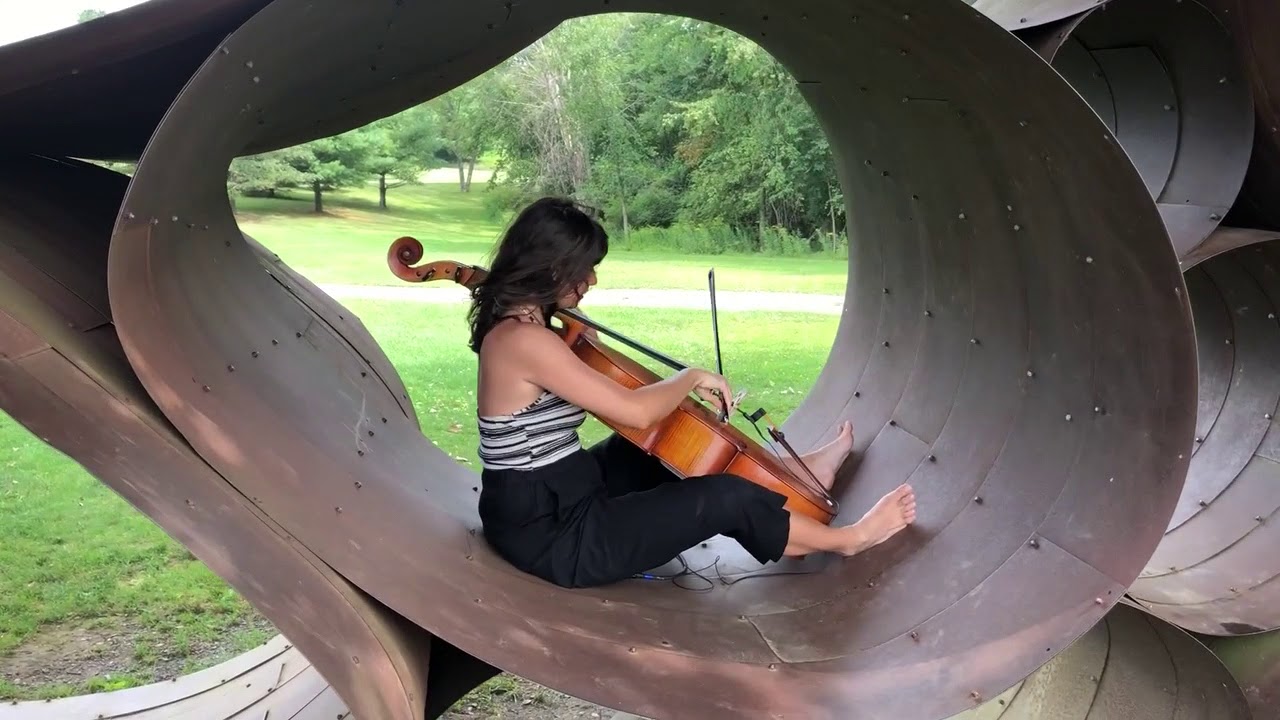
(348,243)
(75,555)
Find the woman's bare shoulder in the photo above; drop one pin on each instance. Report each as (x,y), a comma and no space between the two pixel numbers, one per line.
(514,336)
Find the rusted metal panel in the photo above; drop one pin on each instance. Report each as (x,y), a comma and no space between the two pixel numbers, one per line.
(1225,239)
(1049,38)
(127,66)
(1020,186)
(1181,104)
(1020,14)
(1216,571)
(1252,24)
(932,232)
(82,398)
(1130,666)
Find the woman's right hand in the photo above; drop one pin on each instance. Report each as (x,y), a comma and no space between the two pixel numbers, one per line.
(707,384)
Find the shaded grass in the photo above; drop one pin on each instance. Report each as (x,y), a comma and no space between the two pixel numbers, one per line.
(77,553)
(348,243)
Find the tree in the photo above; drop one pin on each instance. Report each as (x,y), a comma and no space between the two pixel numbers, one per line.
(265,173)
(401,147)
(87,15)
(464,122)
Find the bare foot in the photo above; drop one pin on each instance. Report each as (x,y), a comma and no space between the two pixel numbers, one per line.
(894,511)
(826,460)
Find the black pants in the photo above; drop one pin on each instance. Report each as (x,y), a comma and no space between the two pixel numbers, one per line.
(605,514)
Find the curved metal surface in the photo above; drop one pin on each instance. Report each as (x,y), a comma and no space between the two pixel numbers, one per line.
(1224,240)
(64,376)
(1130,666)
(941,222)
(1253,24)
(1217,570)
(1020,14)
(1254,662)
(1164,76)
(126,67)
(270,681)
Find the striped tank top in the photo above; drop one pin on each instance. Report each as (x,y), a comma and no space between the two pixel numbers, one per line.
(535,436)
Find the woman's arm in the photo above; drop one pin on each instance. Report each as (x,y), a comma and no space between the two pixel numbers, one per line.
(547,362)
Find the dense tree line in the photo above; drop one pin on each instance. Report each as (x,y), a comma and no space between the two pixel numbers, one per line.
(672,128)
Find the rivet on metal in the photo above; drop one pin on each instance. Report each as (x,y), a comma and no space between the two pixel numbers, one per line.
(928,313)
(254,353)
(355,659)
(257,79)
(915,635)
(978,499)
(131,216)
(205,388)
(973,341)
(857,393)
(360,453)
(338,510)
(1068,417)
(1089,259)
(359,484)
(961,216)
(1168,107)
(1097,601)
(1022,123)
(893,423)
(1031,373)
(1199,439)
(886,291)
(1204,504)
(1017,228)
(1034,543)
(248,63)
(933,458)
(231,368)
(773,666)
(1267,416)
(977,696)
(631,650)
(886,343)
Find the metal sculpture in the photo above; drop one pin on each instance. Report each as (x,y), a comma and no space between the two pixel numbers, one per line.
(1018,342)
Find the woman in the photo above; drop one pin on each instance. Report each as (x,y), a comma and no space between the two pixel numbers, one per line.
(580,517)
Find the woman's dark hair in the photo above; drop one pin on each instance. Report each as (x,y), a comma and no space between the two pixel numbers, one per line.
(550,248)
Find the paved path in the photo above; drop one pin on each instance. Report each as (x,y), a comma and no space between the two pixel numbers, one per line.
(726,300)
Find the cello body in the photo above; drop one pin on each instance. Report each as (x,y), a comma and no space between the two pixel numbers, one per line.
(692,440)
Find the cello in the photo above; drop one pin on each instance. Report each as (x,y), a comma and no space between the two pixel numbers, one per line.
(692,440)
